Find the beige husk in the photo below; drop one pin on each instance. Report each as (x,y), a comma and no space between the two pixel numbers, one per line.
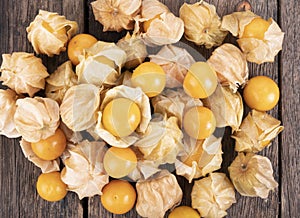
(116,15)
(156,196)
(161,141)
(252,175)
(230,65)
(100,64)
(60,81)
(213,195)
(227,107)
(135,49)
(256,50)
(84,173)
(8,107)
(46,166)
(151,8)
(174,103)
(163,30)
(202,24)
(50,32)
(23,72)
(175,61)
(142,101)
(36,118)
(199,157)
(256,132)
(79,107)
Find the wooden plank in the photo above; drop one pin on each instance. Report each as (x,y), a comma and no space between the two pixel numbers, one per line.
(18,176)
(290,96)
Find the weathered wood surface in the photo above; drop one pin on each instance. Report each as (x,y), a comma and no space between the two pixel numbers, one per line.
(18,196)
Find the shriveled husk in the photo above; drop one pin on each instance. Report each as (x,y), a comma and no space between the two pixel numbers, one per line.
(60,81)
(142,101)
(156,196)
(100,64)
(23,72)
(252,175)
(50,32)
(256,50)
(46,166)
(230,65)
(135,49)
(199,157)
(202,25)
(36,118)
(174,103)
(79,107)
(227,107)
(116,15)
(162,140)
(175,61)
(213,195)
(84,173)
(256,132)
(8,108)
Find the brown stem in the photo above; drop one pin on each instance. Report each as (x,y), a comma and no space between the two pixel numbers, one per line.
(243,6)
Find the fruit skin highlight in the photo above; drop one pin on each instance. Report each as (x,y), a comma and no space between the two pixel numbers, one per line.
(50,187)
(77,44)
(119,162)
(51,147)
(118,197)
(184,212)
(121,117)
(150,77)
(199,122)
(261,93)
(200,81)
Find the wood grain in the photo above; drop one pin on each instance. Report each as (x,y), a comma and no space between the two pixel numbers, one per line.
(290,110)
(18,196)
(18,176)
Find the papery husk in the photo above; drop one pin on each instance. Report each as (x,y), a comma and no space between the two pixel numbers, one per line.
(163,30)
(23,72)
(60,81)
(71,136)
(79,107)
(227,107)
(50,32)
(144,170)
(135,49)
(256,50)
(252,175)
(151,8)
(142,101)
(175,61)
(36,118)
(202,24)
(47,166)
(213,195)
(256,132)
(100,64)
(174,103)
(162,140)
(8,108)
(199,158)
(84,173)
(156,196)
(116,15)
(230,65)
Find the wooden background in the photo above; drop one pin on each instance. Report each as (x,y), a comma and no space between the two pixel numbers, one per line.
(18,196)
